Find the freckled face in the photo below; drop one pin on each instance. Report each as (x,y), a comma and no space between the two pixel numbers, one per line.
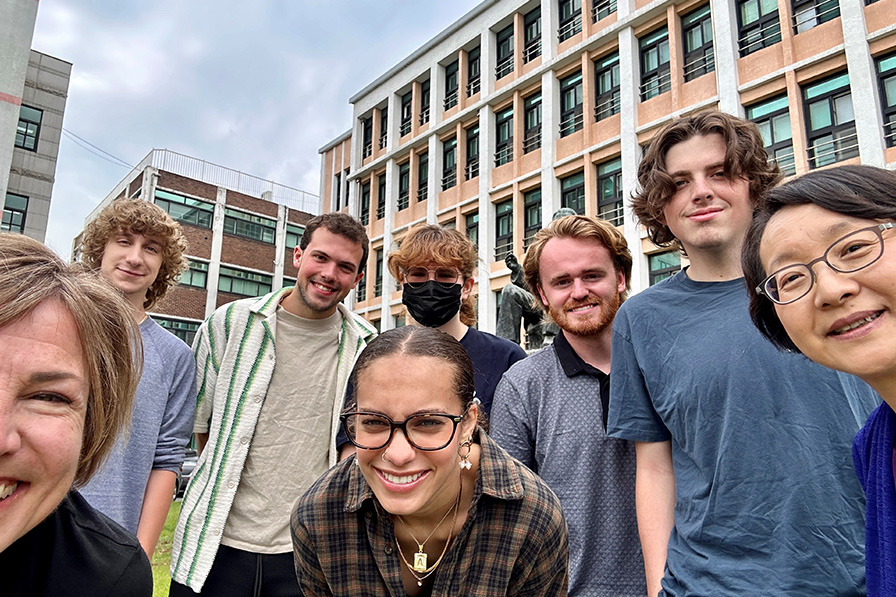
(846,322)
(43,403)
(410,481)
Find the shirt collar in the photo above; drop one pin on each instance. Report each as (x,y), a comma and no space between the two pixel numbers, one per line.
(570,361)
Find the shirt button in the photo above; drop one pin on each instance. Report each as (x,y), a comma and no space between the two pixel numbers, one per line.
(244,441)
(231,485)
(258,399)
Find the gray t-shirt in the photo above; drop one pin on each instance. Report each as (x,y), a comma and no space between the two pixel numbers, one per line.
(290,446)
(547,413)
(160,429)
(767,501)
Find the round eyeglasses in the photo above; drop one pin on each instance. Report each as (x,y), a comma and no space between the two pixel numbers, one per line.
(425,431)
(443,276)
(850,253)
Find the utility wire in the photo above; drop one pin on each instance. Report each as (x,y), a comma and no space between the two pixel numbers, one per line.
(100,153)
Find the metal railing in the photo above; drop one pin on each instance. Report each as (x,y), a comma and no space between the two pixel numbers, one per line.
(383,139)
(532,140)
(757,39)
(810,17)
(786,162)
(471,170)
(405,127)
(404,199)
(503,249)
(842,147)
(656,85)
(381,211)
(423,191)
(504,154)
(602,9)
(424,115)
(890,137)
(572,123)
(613,215)
(473,86)
(367,151)
(449,180)
(607,107)
(699,66)
(505,67)
(451,100)
(532,50)
(570,28)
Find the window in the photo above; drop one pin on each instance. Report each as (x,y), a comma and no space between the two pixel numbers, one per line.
(407,103)
(606,77)
(809,13)
(472,228)
(698,52)
(532,35)
(381,196)
(365,203)
(504,64)
(609,191)
(424,102)
(196,276)
(570,19)
(28,130)
(504,139)
(663,265)
(503,229)
(830,121)
(571,119)
(602,9)
(400,321)
(404,185)
(185,209)
(773,119)
(294,234)
(532,115)
(531,216)
(337,190)
(378,280)
(14,211)
(423,177)
(472,167)
(384,127)
(451,83)
(655,75)
(473,69)
(758,25)
(886,77)
(345,187)
(367,137)
(572,193)
(237,281)
(361,290)
(240,223)
(185,330)
(449,163)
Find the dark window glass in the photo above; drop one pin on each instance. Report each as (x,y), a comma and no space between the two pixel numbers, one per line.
(473,69)
(663,265)
(185,330)
(772,116)
(472,228)
(571,104)
(503,229)
(606,82)
(14,211)
(424,102)
(28,130)
(451,83)
(381,196)
(830,121)
(655,75)
(378,280)
(532,33)
(531,216)
(196,276)
(504,136)
(532,107)
(609,191)
(294,234)
(601,9)
(240,223)
(886,78)
(758,25)
(504,64)
(242,282)
(384,127)
(471,169)
(404,185)
(572,192)
(423,177)
(570,19)
(407,103)
(186,209)
(449,163)
(698,53)
(809,13)
(365,203)
(367,137)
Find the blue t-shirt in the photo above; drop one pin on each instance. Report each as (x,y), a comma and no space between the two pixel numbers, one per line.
(767,503)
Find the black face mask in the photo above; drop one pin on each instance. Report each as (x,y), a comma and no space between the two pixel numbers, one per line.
(430,304)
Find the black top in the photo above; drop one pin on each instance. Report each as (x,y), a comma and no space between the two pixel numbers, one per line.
(573,364)
(76,551)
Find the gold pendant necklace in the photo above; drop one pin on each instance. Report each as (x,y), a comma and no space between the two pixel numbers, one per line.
(420,557)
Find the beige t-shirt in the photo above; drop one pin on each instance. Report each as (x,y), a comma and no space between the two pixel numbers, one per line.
(289,449)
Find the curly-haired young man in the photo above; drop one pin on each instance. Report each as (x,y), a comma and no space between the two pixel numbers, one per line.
(744,484)
(140,249)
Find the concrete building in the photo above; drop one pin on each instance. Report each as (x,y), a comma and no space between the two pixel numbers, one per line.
(33,92)
(241,232)
(522,107)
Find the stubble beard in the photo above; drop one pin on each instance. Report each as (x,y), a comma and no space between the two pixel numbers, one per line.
(593,326)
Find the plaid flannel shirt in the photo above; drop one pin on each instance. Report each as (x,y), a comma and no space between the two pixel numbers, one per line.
(514,542)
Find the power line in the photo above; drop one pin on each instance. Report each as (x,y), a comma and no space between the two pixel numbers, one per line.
(98,152)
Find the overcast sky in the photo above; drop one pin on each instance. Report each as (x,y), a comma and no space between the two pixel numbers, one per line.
(255,86)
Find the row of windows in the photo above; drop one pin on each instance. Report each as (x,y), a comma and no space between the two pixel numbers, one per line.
(185,330)
(238,223)
(14,211)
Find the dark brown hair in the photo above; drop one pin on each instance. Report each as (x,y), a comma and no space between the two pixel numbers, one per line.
(342,224)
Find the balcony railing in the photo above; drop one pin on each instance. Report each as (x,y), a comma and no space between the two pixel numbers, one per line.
(785,161)
(449,180)
(657,84)
(404,199)
(424,115)
(570,28)
(843,146)
(613,213)
(383,139)
(607,107)
(754,40)
(527,240)
(503,248)
(405,127)
(381,211)
(451,100)
(602,9)
(471,170)
(367,151)
(811,16)
(504,67)
(532,140)
(532,50)
(699,66)
(473,86)
(378,288)
(504,154)
(572,123)
(423,191)
(890,131)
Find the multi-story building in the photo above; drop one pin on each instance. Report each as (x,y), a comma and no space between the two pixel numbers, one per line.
(33,91)
(241,231)
(522,107)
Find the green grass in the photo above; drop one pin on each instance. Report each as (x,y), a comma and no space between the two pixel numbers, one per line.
(161,559)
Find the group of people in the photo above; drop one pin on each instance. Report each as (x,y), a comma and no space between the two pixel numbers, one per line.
(677,442)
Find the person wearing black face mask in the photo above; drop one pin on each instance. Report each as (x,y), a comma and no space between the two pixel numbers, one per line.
(435,267)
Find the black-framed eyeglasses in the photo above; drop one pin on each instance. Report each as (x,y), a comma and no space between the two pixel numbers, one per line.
(443,276)
(424,431)
(850,253)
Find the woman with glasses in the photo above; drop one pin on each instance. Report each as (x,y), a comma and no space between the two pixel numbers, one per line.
(428,505)
(435,267)
(821,260)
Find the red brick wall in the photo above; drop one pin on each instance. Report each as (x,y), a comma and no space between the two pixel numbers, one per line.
(199,241)
(183,301)
(253,204)
(188,185)
(244,252)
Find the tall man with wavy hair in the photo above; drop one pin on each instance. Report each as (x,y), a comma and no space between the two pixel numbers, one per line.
(140,249)
(744,483)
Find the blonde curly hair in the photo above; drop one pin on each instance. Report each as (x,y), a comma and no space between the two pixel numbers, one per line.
(138,217)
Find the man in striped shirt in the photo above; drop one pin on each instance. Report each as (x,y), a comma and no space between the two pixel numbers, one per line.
(267,416)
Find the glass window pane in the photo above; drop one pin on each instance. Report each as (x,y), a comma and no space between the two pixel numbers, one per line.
(781,128)
(819,115)
(843,109)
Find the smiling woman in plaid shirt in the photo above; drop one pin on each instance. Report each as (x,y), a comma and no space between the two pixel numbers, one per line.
(429,505)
